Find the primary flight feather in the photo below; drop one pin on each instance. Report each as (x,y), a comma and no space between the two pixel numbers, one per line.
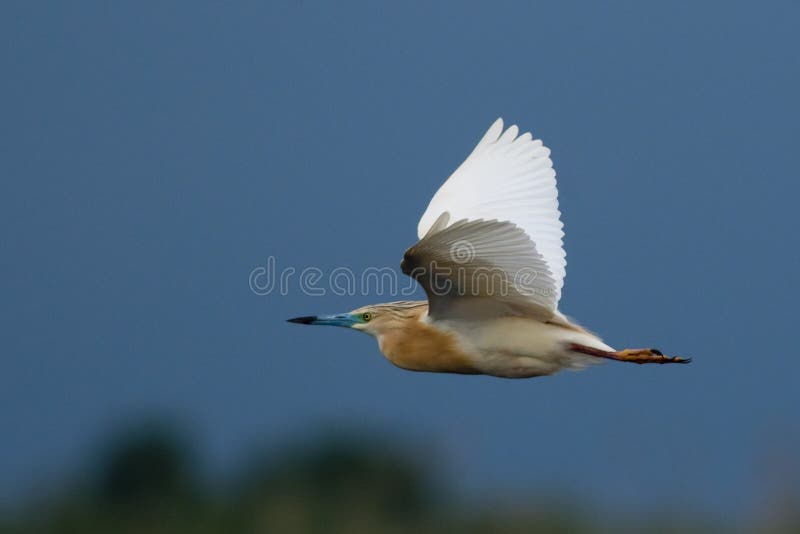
(491,260)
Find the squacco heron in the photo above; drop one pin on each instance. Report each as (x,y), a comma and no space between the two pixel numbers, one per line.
(490,258)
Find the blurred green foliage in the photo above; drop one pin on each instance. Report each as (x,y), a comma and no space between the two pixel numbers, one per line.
(145,480)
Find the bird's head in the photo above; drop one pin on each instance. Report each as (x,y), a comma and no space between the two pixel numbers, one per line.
(374,320)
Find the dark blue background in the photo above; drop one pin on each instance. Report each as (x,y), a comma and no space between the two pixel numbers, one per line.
(153,155)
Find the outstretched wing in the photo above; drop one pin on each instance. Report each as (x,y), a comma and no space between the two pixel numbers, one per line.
(506,178)
(491,237)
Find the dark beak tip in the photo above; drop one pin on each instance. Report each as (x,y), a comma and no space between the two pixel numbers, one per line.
(308,319)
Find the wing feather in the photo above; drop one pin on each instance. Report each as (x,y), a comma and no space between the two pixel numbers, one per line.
(480,268)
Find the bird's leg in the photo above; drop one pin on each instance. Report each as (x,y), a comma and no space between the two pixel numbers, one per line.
(630,355)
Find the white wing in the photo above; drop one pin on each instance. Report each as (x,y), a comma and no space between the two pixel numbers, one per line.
(506,178)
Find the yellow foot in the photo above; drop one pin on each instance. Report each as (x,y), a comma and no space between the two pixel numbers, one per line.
(645,356)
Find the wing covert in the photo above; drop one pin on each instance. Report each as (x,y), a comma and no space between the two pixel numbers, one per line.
(481,268)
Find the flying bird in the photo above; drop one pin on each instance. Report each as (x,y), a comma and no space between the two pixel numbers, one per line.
(491,260)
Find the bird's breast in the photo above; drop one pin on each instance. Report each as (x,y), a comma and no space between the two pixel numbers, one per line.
(424,347)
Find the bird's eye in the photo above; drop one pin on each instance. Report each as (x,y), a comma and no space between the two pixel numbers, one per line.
(366,317)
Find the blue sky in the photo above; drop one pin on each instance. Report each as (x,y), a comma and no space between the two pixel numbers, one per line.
(153,155)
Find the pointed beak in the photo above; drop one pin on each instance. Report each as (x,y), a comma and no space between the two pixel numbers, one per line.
(341,319)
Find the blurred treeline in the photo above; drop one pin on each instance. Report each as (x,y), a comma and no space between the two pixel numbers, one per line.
(147,480)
